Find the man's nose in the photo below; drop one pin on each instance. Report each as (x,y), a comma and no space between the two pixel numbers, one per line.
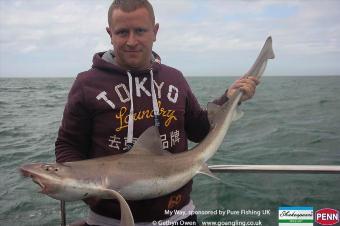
(131,41)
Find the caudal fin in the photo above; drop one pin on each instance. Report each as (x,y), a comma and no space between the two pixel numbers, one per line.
(261,61)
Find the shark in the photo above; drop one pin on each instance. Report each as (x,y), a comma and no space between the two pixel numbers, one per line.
(146,171)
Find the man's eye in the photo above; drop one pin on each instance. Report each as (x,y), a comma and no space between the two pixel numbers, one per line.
(122,32)
(140,31)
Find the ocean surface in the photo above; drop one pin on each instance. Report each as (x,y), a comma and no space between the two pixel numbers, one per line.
(291,120)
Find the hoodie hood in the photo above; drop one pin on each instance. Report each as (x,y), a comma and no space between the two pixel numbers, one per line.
(106,61)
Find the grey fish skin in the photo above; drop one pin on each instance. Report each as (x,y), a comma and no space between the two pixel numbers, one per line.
(146,171)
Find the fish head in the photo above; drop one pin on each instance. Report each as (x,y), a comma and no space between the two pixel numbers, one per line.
(60,181)
(47,176)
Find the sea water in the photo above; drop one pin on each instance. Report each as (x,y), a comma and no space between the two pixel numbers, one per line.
(291,120)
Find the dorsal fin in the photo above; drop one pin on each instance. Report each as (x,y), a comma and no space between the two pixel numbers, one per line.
(212,109)
(149,143)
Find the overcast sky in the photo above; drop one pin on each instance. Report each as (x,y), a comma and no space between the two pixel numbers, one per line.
(199,37)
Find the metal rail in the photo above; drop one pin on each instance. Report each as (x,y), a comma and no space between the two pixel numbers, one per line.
(62,213)
(309,169)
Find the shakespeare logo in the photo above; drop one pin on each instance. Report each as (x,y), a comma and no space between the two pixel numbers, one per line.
(297,215)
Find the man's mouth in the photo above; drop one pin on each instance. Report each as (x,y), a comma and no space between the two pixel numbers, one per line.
(133,51)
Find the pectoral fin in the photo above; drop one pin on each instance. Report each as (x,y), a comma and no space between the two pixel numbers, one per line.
(126,218)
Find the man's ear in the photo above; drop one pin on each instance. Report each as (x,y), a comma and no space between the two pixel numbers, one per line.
(155,30)
(109,31)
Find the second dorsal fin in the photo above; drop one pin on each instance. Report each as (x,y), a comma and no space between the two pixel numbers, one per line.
(212,109)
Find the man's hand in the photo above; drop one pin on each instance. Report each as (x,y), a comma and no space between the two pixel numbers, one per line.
(246,84)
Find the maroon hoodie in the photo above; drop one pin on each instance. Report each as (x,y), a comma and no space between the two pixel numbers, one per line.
(95,124)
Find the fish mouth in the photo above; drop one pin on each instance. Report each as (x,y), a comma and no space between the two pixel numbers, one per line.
(35,178)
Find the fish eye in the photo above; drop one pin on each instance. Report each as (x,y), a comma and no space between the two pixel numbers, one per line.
(50,168)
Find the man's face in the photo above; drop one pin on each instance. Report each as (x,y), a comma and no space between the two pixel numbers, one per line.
(132,36)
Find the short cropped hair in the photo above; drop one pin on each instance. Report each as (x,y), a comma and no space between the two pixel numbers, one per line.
(129,6)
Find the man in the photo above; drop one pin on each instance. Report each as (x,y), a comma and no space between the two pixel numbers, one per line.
(126,91)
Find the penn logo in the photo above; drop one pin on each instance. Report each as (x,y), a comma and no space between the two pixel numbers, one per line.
(327,216)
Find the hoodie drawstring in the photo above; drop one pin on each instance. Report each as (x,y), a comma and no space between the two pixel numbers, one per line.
(155,107)
(154,101)
(129,142)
